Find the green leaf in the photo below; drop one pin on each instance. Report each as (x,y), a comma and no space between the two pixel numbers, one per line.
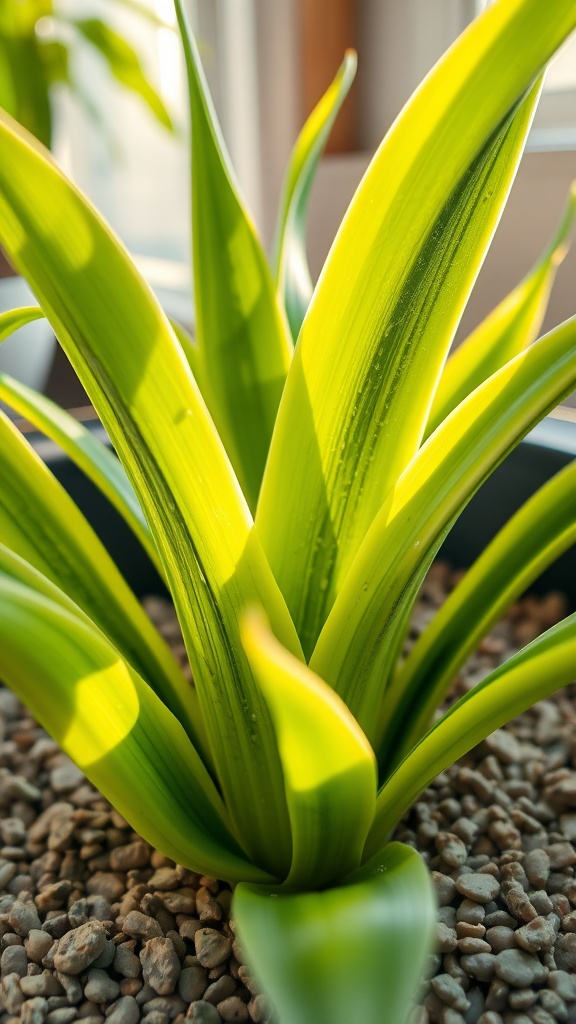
(535,672)
(191,353)
(358,646)
(24,83)
(13,319)
(112,724)
(352,953)
(329,766)
(290,260)
(56,57)
(89,454)
(245,348)
(121,345)
(540,531)
(41,523)
(123,62)
(514,324)
(389,299)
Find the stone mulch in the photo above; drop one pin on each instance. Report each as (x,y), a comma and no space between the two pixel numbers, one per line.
(97,926)
(498,831)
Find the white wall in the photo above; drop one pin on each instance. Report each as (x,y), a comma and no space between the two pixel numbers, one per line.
(398,44)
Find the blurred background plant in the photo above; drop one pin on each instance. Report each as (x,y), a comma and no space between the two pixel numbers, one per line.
(37,40)
(81,76)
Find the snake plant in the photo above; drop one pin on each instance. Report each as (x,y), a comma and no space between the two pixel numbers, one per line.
(292,471)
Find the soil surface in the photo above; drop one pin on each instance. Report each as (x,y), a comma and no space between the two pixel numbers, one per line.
(98,926)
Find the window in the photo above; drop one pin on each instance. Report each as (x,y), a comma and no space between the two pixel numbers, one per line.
(132,168)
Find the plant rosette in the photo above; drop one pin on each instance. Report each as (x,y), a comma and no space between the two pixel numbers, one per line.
(292,472)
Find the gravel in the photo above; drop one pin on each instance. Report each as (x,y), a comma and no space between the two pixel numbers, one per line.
(96,926)
(511,803)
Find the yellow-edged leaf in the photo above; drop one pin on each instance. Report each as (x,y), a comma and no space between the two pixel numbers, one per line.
(243,339)
(290,260)
(41,523)
(83,448)
(111,723)
(514,324)
(540,668)
(329,766)
(294,942)
(358,647)
(125,352)
(540,531)
(389,299)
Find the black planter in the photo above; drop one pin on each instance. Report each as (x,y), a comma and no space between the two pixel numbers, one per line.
(109,525)
(550,446)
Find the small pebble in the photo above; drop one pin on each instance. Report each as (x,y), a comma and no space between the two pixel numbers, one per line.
(34,1011)
(503,745)
(562,855)
(553,1003)
(480,965)
(23,917)
(100,987)
(221,989)
(171,1005)
(80,947)
(192,983)
(130,856)
(126,962)
(165,878)
(204,1013)
(565,952)
(477,887)
(563,984)
(445,888)
(451,849)
(450,991)
(44,984)
(522,998)
(468,946)
(500,937)
(232,1009)
(71,986)
(471,912)
(62,1015)
(140,926)
(124,1011)
(160,965)
(37,944)
(568,826)
(519,969)
(66,777)
(520,905)
(212,948)
(446,938)
(12,994)
(536,935)
(14,961)
(541,902)
(536,864)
